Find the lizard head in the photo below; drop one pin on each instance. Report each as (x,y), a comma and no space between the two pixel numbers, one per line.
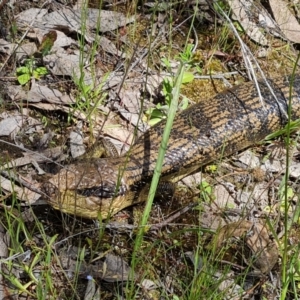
(91,190)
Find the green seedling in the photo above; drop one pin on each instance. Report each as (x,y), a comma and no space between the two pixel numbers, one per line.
(206,191)
(29,71)
(160,111)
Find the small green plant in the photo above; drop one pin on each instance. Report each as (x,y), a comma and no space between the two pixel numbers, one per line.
(29,71)
(160,111)
(206,191)
(292,126)
(45,121)
(91,95)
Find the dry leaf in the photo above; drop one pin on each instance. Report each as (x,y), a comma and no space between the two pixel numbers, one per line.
(247,12)
(26,17)
(22,193)
(247,242)
(39,93)
(285,20)
(11,125)
(76,143)
(6,47)
(71,19)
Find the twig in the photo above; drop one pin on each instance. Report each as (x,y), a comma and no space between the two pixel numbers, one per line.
(21,181)
(172,217)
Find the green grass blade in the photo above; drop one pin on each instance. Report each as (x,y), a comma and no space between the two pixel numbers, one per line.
(158,167)
(285,259)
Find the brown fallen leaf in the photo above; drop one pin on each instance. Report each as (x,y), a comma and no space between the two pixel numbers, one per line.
(286,21)
(247,244)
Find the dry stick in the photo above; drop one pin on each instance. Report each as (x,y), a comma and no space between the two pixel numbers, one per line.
(173,217)
(218,76)
(45,158)
(21,181)
(17,178)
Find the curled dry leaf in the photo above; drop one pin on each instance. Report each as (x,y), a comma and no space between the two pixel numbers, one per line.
(286,21)
(255,20)
(112,269)
(29,16)
(249,159)
(51,154)
(76,143)
(39,93)
(11,125)
(6,47)
(247,244)
(71,19)
(23,194)
(241,13)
